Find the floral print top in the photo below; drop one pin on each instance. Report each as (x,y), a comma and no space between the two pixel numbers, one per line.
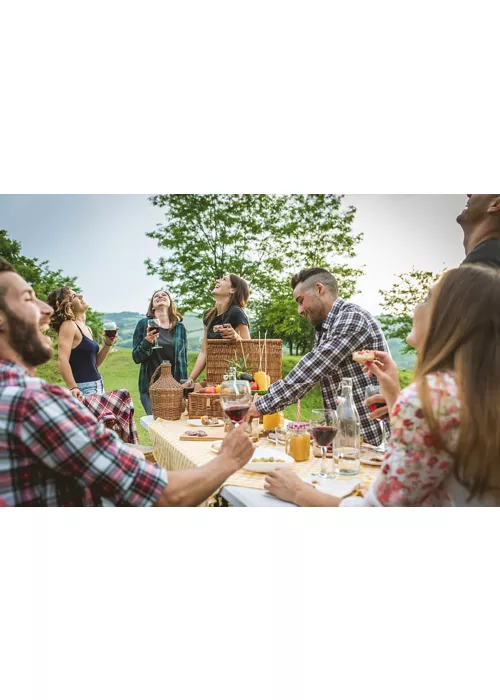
(415,472)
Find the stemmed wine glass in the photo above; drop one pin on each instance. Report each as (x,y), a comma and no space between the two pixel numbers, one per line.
(110,331)
(235,398)
(153,323)
(373,390)
(324,424)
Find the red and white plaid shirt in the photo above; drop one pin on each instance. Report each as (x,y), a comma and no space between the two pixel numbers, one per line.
(53,452)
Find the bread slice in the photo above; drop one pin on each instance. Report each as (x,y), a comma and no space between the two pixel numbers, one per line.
(363,356)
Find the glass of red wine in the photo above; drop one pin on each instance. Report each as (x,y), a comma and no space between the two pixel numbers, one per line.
(110,329)
(235,398)
(153,323)
(324,425)
(374,390)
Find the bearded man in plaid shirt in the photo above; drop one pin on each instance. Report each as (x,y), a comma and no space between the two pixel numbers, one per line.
(53,452)
(341,329)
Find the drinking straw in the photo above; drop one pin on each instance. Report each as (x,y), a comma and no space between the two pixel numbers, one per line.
(298,410)
(260,356)
(265,361)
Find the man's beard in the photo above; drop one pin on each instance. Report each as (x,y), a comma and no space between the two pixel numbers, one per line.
(25,342)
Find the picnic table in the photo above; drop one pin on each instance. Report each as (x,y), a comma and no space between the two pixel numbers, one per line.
(242,488)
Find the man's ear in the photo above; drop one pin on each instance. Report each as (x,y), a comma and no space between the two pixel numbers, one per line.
(320,288)
(494,206)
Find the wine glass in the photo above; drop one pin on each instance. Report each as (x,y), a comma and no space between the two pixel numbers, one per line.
(235,398)
(324,425)
(373,390)
(153,323)
(110,331)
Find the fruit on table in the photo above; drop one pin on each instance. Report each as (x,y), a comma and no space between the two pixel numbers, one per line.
(254,386)
(217,389)
(210,390)
(245,377)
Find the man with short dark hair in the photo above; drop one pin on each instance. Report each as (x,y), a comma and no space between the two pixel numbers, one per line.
(341,329)
(53,452)
(480,221)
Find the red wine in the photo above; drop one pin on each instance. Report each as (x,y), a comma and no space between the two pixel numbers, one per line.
(111,334)
(324,434)
(236,413)
(374,406)
(188,390)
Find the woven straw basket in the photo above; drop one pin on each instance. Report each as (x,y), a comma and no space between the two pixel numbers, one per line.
(167,395)
(204,405)
(220,351)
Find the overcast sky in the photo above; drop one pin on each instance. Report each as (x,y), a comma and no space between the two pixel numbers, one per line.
(101,240)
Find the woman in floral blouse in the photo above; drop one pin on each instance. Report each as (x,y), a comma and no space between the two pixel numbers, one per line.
(445,443)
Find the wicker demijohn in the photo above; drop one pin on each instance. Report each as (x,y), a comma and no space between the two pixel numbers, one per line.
(167,395)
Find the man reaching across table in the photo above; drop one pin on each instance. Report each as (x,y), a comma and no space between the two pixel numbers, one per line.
(341,329)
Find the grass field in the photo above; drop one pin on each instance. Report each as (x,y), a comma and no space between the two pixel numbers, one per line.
(120,372)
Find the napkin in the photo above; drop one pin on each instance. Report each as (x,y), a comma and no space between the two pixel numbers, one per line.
(334,487)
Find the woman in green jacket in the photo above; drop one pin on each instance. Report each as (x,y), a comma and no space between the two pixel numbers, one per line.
(170,333)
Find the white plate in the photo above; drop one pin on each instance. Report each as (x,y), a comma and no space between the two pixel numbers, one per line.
(215,446)
(197,422)
(265,467)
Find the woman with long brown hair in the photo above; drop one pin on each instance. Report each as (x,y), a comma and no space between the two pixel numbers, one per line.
(79,354)
(165,342)
(226,320)
(445,443)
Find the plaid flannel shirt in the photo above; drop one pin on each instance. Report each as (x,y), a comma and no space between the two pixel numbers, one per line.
(142,350)
(347,328)
(53,452)
(114,407)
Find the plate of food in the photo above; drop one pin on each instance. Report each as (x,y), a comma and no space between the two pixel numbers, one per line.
(265,460)
(206,422)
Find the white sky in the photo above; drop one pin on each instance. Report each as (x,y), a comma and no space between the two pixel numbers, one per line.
(101,240)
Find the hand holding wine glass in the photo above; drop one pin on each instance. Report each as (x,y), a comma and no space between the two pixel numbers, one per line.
(236,398)
(110,332)
(386,371)
(153,333)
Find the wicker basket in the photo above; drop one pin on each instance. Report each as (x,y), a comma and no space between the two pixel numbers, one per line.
(220,351)
(204,405)
(167,395)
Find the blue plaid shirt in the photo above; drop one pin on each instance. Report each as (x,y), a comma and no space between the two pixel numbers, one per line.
(347,328)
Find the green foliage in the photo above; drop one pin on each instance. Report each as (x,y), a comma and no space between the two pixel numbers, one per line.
(399,303)
(43,280)
(263,238)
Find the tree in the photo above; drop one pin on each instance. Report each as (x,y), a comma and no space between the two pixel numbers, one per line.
(400,300)
(43,280)
(263,238)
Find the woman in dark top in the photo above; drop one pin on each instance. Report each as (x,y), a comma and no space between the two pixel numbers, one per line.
(226,320)
(79,354)
(171,345)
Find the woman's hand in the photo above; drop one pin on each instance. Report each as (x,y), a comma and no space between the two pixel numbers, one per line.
(152,334)
(228,332)
(110,341)
(285,484)
(77,393)
(187,384)
(386,371)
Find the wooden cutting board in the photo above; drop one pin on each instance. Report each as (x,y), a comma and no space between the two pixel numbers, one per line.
(212,436)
